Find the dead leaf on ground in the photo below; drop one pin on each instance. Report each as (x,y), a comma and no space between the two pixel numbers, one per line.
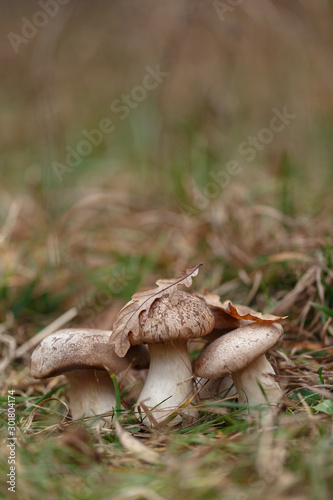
(132,444)
(311,346)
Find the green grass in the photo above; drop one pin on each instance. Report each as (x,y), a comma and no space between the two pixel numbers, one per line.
(224,456)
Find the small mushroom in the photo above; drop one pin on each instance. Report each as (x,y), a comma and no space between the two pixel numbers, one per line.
(85,356)
(170,322)
(241,353)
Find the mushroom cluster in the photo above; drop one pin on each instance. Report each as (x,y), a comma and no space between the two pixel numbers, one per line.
(233,362)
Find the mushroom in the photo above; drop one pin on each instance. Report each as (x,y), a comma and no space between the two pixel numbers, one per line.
(85,356)
(241,353)
(166,327)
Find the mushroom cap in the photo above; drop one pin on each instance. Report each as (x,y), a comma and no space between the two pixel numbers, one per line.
(178,316)
(75,349)
(236,350)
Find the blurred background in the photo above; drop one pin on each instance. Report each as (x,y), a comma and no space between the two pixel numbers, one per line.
(140,138)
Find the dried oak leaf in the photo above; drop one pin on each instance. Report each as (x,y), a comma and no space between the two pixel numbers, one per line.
(239,311)
(127,320)
(223,319)
(210,298)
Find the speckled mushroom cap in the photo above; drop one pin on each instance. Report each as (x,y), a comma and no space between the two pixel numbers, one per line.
(75,349)
(174,317)
(236,350)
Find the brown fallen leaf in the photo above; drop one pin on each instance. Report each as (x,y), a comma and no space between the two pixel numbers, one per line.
(228,315)
(311,346)
(127,321)
(212,299)
(223,320)
(238,312)
(132,444)
(282,256)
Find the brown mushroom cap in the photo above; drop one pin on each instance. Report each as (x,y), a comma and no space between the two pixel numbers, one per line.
(236,350)
(177,316)
(75,349)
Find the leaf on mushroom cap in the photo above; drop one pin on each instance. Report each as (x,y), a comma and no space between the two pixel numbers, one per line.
(223,320)
(212,299)
(238,312)
(127,320)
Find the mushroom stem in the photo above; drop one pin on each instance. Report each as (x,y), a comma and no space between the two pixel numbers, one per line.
(91,392)
(255,385)
(218,388)
(169,382)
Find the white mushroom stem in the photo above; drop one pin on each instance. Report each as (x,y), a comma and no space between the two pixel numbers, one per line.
(91,392)
(255,384)
(169,382)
